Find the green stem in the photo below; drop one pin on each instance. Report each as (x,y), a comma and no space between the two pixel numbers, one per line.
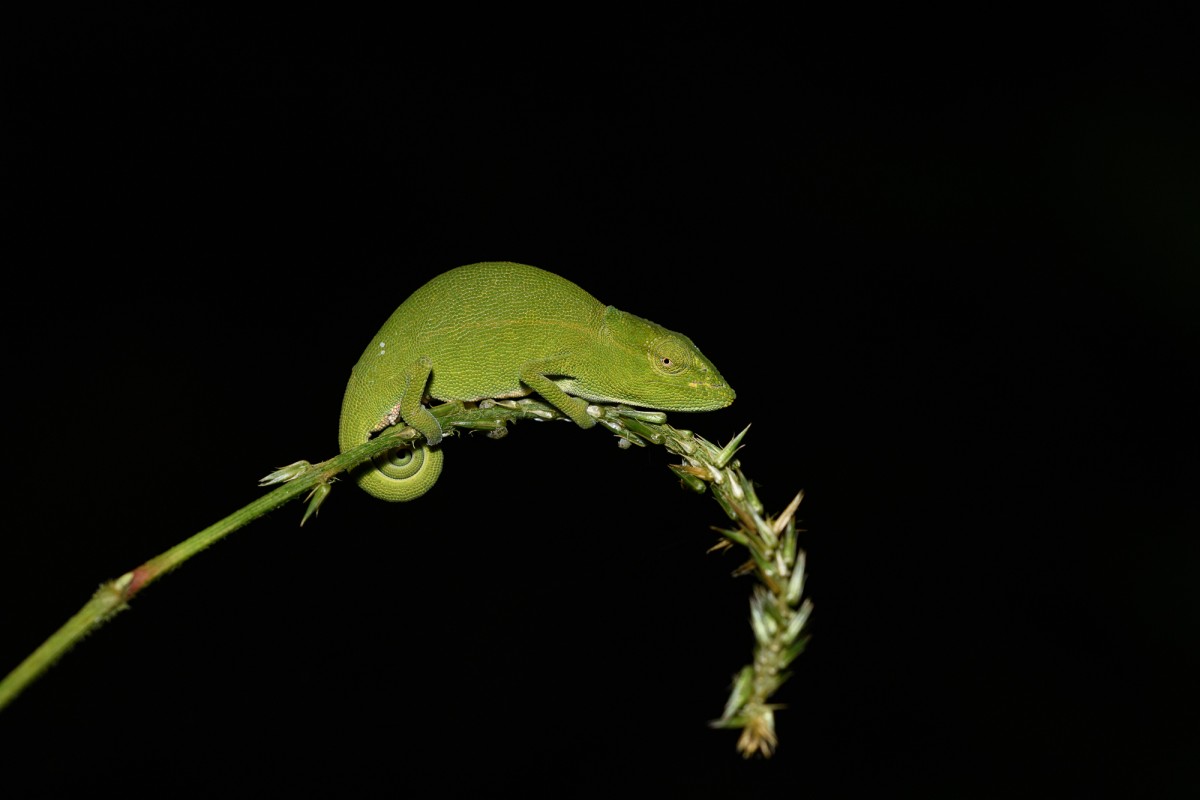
(113,596)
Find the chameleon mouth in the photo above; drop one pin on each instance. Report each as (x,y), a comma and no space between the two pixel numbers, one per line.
(715,387)
(712,395)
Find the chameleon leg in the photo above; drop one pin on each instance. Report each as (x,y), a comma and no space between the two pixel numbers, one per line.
(533,375)
(411,410)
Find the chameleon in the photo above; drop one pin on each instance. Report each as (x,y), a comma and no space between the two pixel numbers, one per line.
(499,329)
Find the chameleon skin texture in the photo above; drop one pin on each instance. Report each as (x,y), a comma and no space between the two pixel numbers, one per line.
(503,330)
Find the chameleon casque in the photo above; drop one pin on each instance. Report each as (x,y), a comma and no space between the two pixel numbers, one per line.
(504,330)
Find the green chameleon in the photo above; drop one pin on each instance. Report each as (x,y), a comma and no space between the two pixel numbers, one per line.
(502,330)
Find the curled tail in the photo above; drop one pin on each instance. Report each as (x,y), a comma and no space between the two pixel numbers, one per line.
(402,474)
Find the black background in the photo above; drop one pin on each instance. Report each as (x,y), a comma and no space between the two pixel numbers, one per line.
(948,260)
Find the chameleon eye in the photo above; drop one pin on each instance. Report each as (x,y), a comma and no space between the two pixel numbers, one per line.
(668,355)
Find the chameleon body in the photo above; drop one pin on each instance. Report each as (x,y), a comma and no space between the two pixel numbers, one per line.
(504,330)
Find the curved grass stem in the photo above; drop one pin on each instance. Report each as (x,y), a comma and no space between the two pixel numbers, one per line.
(778,613)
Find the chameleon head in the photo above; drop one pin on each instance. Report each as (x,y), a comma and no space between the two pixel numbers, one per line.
(660,368)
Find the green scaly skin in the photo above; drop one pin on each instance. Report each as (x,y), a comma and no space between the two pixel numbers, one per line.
(503,330)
